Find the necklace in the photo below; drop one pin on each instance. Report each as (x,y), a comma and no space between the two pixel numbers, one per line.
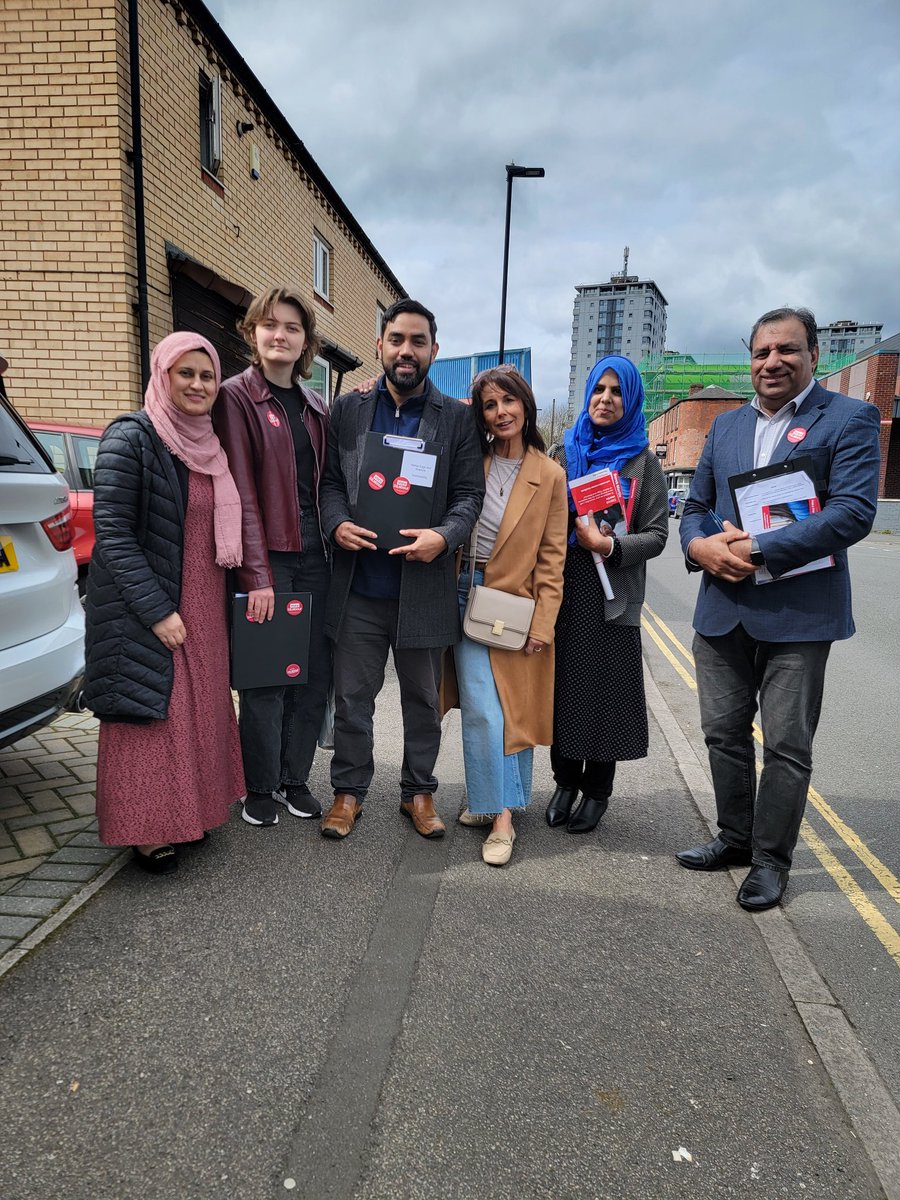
(510,476)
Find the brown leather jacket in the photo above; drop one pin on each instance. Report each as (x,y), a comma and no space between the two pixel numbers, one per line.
(254,430)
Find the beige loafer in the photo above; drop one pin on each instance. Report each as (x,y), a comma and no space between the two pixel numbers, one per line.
(497,848)
(473,819)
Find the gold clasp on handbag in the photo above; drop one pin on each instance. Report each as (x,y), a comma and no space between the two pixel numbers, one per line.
(497,628)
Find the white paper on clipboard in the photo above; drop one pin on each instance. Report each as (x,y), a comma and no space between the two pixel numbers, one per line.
(773,503)
(418,467)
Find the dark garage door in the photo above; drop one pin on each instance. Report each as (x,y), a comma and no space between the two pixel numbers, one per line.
(202,311)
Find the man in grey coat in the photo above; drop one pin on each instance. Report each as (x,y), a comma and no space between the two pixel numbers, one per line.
(402,599)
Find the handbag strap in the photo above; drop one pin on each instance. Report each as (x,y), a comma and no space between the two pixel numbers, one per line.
(473,544)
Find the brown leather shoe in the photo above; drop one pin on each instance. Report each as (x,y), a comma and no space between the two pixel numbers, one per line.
(345,811)
(420,811)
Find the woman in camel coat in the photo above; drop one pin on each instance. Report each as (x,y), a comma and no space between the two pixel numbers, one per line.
(506,696)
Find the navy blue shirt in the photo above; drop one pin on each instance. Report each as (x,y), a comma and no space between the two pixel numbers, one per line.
(377,574)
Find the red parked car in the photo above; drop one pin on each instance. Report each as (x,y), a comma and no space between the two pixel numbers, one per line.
(73,449)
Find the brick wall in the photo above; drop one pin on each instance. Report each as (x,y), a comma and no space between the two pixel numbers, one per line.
(67,323)
(684,427)
(877,380)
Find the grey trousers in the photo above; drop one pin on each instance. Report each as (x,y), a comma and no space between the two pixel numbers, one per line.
(368,631)
(789,679)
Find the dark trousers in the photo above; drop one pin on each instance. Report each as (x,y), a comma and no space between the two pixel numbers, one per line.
(280,725)
(595,779)
(789,679)
(368,631)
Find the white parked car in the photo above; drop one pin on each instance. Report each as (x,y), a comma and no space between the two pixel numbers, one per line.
(41,618)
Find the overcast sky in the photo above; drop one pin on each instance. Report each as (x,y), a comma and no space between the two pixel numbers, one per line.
(745,150)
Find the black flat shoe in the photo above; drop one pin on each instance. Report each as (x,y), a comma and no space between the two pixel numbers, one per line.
(587,816)
(714,856)
(560,806)
(762,889)
(161,861)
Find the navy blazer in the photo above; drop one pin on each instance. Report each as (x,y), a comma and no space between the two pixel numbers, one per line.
(842,440)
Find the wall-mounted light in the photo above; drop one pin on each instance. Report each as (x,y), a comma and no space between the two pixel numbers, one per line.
(254,162)
(244,127)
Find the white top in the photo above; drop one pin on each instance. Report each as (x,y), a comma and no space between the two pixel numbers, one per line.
(502,473)
(770,430)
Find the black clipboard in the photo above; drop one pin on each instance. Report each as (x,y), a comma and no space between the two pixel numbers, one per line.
(788,467)
(271,653)
(395,491)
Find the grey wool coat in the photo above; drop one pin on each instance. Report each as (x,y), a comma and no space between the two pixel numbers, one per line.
(429,612)
(650,529)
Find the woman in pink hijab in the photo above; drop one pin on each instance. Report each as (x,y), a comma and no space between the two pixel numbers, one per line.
(168,523)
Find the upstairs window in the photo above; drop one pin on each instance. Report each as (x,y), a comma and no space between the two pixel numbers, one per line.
(379,319)
(210,93)
(321,267)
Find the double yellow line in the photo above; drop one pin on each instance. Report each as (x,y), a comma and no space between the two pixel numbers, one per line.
(665,639)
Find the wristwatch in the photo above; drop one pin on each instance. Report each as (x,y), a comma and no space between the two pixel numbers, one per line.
(757,557)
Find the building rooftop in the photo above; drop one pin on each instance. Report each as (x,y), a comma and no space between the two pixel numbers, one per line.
(889,345)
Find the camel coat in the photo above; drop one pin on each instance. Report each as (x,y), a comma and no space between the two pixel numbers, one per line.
(528,559)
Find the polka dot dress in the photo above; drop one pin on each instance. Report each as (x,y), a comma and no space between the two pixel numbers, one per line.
(600,708)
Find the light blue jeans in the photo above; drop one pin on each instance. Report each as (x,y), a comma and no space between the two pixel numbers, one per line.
(494,780)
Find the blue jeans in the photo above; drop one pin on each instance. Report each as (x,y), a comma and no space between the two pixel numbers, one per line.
(494,780)
(789,679)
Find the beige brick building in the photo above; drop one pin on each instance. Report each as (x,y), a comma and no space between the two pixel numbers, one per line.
(233,202)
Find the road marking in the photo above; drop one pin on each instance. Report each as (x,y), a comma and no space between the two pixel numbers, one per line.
(688,679)
(669,634)
(879,925)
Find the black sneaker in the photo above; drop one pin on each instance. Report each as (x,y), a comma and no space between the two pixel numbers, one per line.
(299,801)
(260,809)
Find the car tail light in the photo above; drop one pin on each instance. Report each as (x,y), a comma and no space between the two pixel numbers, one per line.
(60,528)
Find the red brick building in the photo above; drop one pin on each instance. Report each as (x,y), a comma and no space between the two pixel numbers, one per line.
(875,377)
(683,427)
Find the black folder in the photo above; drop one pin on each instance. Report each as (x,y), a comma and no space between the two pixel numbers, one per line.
(274,653)
(394,488)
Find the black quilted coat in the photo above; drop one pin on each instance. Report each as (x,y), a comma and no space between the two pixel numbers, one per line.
(135,574)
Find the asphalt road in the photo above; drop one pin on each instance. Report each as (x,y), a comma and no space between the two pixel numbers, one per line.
(389,1019)
(856,772)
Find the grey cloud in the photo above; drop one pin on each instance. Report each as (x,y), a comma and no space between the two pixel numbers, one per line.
(746,152)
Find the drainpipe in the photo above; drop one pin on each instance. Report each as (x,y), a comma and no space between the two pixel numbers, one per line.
(137,163)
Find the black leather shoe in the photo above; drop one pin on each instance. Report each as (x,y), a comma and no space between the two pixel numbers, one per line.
(587,816)
(560,806)
(714,856)
(762,889)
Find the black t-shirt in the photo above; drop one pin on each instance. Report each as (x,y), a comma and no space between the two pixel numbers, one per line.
(295,405)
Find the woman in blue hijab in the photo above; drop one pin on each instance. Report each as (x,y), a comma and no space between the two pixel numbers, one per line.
(600,713)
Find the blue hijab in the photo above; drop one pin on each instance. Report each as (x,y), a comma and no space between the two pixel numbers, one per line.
(588,448)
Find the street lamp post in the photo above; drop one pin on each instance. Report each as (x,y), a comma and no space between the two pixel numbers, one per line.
(512,172)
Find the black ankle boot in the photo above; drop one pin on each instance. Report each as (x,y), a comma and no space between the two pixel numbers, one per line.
(587,815)
(560,806)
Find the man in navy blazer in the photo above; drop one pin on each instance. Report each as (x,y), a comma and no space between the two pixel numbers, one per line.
(767,644)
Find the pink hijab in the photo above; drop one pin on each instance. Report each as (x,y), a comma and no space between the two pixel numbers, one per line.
(193,441)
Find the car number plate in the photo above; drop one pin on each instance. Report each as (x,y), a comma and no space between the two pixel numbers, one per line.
(8,560)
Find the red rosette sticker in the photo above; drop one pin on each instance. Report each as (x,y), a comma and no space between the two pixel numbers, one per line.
(377,481)
(292,670)
(795,435)
(273,419)
(294,608)
(401,485)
